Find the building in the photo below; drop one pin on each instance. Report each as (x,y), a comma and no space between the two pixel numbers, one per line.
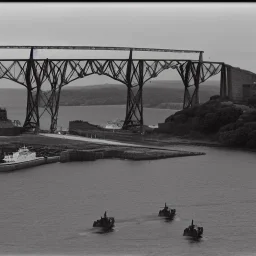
(249,90)
(7,128)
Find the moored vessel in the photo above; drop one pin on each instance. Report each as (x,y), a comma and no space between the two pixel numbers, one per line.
(167,212)
(105,222)
(193,231)
(22,155)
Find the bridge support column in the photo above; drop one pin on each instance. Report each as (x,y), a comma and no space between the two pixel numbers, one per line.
(32,112)
(51,101)
(134,104)
(223,82)
(54,107)
(185,71)
(196,76)
(188,72)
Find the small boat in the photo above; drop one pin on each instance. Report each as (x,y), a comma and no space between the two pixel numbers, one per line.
(105,222)
(167,212)
(193,231)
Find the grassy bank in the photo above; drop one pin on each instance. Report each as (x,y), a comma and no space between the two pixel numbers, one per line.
(48,146)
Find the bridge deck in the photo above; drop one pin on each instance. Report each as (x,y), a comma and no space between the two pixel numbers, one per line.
(102,48)
(94,59)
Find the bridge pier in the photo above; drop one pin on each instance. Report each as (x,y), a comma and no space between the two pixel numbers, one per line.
(223,81)
(196,76)
(184,71)
(32,120)
(56,78)
(134,104)
(193,71)
(54,100)
(55,109)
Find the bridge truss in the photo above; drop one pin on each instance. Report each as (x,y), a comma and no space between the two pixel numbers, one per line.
(134,73)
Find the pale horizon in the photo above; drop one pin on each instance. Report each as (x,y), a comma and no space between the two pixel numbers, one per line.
(224,31)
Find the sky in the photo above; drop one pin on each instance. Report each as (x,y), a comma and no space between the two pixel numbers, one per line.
(224,31)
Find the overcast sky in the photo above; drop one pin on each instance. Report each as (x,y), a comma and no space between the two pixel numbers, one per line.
(224,31)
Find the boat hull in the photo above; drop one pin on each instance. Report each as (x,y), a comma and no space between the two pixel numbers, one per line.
(194,233)
(9,167)
(105,223)
(170,214)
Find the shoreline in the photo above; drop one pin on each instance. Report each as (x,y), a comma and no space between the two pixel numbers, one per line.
(76,148)
(162,139)
(147,147)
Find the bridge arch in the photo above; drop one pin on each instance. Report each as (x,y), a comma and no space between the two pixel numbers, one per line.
(134,73)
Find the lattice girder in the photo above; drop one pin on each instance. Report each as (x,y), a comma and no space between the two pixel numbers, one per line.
(194,73)
(33,74)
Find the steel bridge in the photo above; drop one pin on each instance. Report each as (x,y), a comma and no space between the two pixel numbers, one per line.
(134,73)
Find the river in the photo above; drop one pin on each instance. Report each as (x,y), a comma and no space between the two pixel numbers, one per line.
(50,209)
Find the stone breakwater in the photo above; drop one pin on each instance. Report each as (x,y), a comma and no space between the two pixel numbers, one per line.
(129,154)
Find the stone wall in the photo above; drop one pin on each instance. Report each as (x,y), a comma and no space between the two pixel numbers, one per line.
(249,90)
(236,78)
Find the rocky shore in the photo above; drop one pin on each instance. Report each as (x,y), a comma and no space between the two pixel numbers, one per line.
(218,121)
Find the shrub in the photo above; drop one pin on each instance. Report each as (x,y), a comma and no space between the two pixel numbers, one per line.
(228,127)
(215,97)
(248,116)
(180,118)
(251,143)
(250,125)
(252,101)
(241,135)
(189,112)
(238,137)
(228,115)
(210,122)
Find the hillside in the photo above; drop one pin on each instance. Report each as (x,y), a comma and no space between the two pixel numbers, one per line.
(158,94)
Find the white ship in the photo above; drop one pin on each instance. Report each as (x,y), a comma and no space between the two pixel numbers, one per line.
(22,155)
(115,124)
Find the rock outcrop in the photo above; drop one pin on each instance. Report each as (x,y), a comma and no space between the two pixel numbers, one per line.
(233,124)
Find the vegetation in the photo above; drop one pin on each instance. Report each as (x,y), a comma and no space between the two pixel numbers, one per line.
(230,124)
(252,101)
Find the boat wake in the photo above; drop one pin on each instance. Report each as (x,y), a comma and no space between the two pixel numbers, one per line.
(137,220)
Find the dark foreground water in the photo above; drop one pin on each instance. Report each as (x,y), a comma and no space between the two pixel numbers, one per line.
(50,209)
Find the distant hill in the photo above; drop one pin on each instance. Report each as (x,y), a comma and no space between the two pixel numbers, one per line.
(157,94)
(154,83)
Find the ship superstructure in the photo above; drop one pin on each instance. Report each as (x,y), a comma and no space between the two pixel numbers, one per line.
(22,155)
